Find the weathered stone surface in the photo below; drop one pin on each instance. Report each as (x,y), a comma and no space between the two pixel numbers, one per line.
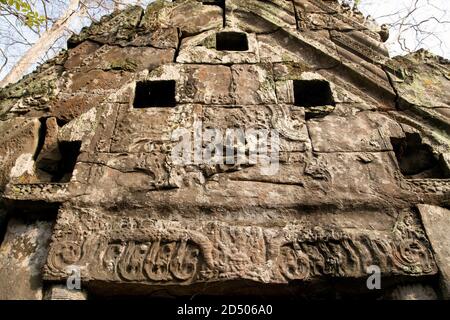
(201,17)
(18,145)
(206,85)
(203,49)
(116,28)
(421,81)
(259,16)
(257,84)
(22,255)
(289,121)
(126,134)
(59,292)
(88,56)
(164,252)
(158,128)
(292,46)
(330,15)
(436,221)
(364,132)
(425,80)
(33,93)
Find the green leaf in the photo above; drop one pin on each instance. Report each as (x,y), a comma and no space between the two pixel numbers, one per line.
(25,12)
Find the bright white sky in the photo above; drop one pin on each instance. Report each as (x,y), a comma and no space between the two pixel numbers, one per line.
(433,17)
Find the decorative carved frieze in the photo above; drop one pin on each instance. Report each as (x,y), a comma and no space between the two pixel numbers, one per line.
(144,251)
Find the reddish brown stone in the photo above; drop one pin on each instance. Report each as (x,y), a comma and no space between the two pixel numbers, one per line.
(124,136)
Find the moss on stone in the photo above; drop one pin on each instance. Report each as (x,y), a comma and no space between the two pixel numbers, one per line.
(151,16)
(124,65)
(5,106)
(210,42)
(110,27)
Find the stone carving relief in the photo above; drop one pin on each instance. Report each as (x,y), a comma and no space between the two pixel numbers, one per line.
(222,251)
(131,214)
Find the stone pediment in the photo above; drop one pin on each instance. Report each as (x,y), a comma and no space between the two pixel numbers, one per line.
(359,148)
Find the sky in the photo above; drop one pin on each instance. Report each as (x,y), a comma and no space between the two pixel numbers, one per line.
(432,17)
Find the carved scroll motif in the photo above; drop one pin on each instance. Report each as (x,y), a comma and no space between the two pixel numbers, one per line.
(412,256)
(184,265)
(156,261)
(285,125)
(351,257)
(234,252)
(294,264)
(132,261)
(111,257)
(64,254)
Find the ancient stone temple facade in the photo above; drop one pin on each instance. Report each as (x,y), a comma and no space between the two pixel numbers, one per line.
(97,180)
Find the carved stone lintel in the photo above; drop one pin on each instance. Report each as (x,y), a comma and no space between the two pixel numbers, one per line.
(136,250)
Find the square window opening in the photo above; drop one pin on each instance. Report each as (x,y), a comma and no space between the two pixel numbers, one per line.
(153,94)
(231,41)
(312,93)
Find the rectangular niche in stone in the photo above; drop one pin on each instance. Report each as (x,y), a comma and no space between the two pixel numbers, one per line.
(231,41)
(416,159)
(154,94)
(70,150)
(312,93)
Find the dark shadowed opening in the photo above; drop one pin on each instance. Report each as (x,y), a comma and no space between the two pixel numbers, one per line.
(213,2)
(56,163)
(416,159)
(312,93)
(69,150)
(231,41)
(152,94)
